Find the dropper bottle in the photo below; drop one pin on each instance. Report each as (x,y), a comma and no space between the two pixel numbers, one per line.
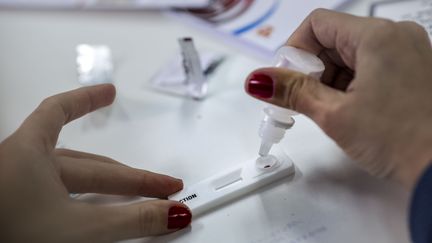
(276,119)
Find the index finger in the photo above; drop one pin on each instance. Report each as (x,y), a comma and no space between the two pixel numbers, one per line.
(325,29)
(45,123)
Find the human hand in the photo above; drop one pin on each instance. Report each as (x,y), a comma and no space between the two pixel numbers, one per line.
(374,98)
(36,179)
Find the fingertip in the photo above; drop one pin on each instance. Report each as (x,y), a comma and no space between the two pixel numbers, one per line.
(173,185)
(179,217)
(109,92)
(285,88)
(179,183)
(148,218)
(260,84)
(159,185)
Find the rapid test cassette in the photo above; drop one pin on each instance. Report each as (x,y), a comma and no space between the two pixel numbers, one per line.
(235,182)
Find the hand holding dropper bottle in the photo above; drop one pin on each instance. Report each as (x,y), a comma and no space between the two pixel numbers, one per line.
(276,119)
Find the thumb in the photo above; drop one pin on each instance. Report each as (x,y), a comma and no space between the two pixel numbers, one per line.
(155,217)
(293,90)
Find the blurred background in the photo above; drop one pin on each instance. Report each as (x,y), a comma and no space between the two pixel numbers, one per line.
(50,46)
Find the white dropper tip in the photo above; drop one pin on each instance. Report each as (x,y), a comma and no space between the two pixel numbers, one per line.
(277,119)
(265,148)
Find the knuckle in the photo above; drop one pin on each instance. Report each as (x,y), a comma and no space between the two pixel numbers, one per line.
(54,105)
(94,182)
(381,36)
(385,37)
(413,29)
(292,90)
(50,104)
(381,30)
(316,17)
(334,119)
(146,219)
(142,183)
(413,26)
(317,12)
(384,23)
(47,103)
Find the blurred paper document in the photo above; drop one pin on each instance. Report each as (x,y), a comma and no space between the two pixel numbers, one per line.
(105,4)
(263,25)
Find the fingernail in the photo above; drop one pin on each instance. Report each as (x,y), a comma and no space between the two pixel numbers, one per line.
(179,217)
(260,85)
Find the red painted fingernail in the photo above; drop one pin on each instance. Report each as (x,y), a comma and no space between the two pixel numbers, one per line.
(260,85)
(178,217)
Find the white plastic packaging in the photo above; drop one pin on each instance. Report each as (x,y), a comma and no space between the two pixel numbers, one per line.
(276,119)
(94,64)
(187,74)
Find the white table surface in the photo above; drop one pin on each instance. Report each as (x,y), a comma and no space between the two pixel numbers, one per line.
(329,201)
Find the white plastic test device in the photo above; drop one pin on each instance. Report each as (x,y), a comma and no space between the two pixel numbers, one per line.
(233,183)
(267,168)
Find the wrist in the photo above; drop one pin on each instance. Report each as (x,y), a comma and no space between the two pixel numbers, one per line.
(412,155)
(409,172)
